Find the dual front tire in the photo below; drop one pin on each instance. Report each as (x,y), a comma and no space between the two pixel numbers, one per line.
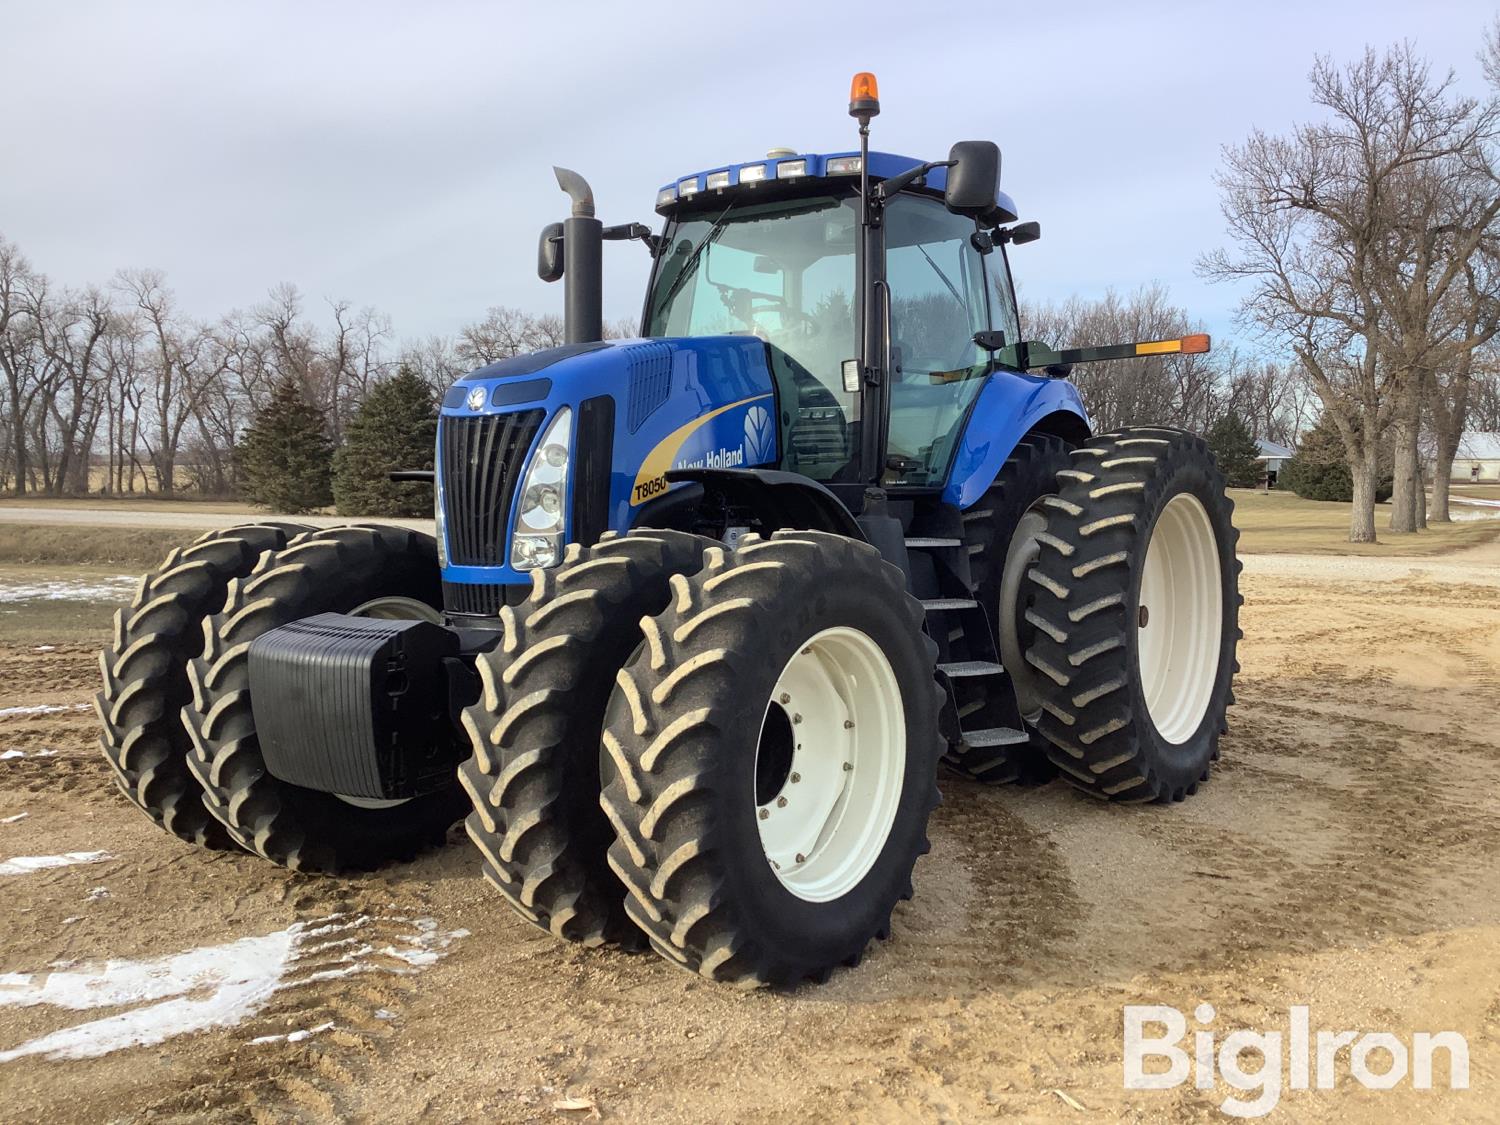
(770,760)
(730,755)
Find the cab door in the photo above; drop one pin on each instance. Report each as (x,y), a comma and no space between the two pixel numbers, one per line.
(939,299)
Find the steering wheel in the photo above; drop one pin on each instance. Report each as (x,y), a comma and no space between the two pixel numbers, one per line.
(742,303)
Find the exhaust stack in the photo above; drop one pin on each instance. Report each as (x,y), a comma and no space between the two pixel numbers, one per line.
(583,270)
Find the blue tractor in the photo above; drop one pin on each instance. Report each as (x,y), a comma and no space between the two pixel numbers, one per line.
(705,609)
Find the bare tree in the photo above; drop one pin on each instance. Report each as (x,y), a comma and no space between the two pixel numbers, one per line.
(502,333)
(1274,400)
(1344,271)
(177,352)
(19,360)
(72,335)
(1175,390)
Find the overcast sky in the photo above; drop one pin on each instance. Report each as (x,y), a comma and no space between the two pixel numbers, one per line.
(398,155)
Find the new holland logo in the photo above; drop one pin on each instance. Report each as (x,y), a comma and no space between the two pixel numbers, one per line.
(476,398)
(758,435)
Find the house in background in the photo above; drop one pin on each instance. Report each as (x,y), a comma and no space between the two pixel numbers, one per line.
(1272,456)
(1478,457)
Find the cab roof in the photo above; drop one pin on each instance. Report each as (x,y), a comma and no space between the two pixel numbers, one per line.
(782,169)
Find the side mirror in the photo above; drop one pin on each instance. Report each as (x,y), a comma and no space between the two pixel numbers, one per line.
(973,178)
(1023,233)
(549,253)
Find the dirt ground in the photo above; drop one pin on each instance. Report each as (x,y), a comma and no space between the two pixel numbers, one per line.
(1346,856)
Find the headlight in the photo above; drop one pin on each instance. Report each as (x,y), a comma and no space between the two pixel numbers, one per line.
(543,497)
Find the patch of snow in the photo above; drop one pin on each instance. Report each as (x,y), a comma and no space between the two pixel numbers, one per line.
(26,864)
(426,946)
(13,819)
(11,755)
(293,1036)
(45,648)
(118,588)
(44,709)
(384,1014)
(215,986)
(98,894)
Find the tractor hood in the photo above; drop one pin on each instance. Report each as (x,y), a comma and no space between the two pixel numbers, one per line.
(636,409)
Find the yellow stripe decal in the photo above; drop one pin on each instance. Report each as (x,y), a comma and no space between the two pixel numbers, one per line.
(651,480)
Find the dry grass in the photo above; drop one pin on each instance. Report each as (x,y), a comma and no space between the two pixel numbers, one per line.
(1478,491)
(60,620)
(69,546)
(1281,523)
(131,504)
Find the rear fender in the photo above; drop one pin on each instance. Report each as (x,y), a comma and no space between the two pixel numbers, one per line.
(1010,406)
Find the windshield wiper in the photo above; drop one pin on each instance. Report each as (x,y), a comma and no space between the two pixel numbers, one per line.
(687,266)
(937,270)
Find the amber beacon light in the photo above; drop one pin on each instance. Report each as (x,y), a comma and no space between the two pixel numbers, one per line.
(864,97)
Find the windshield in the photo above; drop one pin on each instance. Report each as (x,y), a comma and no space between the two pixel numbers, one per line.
(783,272)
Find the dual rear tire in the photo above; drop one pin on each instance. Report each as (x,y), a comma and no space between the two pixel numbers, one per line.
(1136,607)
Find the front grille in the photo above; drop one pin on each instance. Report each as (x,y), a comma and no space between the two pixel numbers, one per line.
(482,599)
(482,461)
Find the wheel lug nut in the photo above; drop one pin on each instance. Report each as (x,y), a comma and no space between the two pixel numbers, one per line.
(781,802)
(848,724)
(1143,616)
(785,698)
(796,718)
(764,813)
(796,777)
(848,766)
(801,858)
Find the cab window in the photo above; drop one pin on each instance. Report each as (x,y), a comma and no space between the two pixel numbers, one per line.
(939,300)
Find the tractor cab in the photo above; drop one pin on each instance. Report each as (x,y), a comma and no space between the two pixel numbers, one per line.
(773,249)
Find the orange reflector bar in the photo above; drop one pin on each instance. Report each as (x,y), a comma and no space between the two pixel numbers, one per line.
(864,88)
(1185,345)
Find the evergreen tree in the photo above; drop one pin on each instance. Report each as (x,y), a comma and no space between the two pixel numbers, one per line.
(396,428)
(285,457)
(1235,449)
(1320,471)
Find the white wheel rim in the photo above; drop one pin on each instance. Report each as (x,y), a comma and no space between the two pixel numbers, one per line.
(1180,618)
(398,609)
(830,764)
(1021,552)
(390,609)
